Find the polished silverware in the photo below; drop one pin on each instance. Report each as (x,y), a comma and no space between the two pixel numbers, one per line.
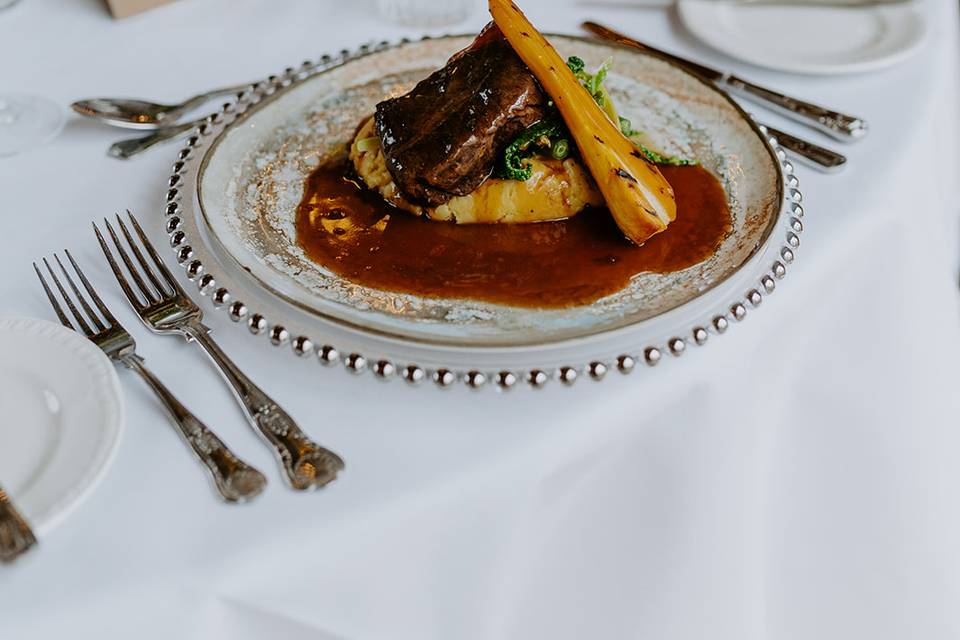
(812,155)
(166,309)
(833,123)
(235,480)
(141,114)
(169,130)
(124,149)
(16,538)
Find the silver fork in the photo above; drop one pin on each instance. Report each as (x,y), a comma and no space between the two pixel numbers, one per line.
(166,309)
(16,538)
(235,480)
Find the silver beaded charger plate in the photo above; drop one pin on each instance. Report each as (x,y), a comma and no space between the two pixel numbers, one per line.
(237,183)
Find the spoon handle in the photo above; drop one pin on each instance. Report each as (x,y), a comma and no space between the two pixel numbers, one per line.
(130,147)
(192,103)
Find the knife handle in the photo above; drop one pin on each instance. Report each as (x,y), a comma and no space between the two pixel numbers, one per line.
(815,156)
(833,123)
(15,534)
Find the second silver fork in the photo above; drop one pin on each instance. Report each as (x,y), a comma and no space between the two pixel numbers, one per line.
(166,309)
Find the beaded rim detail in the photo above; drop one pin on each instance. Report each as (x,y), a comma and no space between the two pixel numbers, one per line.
(384,369)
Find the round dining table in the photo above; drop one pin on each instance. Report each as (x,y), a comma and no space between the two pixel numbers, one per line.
(796,478)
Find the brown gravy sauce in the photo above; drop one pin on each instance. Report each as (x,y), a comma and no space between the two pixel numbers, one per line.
(354,233)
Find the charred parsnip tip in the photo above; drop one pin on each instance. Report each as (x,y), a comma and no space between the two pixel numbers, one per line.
(638,196)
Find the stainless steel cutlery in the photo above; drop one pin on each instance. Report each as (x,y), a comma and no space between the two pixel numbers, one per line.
(129,147)
(235,480)
(161,119)
(142,114)
(165,309)
(833,123)
(813,155)
(16,537)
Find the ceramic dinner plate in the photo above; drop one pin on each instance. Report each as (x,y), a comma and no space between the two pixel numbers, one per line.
(234,193)
(62,418)
(807,39)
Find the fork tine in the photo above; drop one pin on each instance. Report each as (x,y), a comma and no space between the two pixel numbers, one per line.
(121,279)
(83,301)
(93,293)
(139,256)
(153,254)
(66,298)
(131,269)
(64,320)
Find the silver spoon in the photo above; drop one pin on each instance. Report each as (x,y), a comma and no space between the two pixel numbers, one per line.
(140,114)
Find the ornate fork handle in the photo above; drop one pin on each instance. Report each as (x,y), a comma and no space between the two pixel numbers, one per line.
(236,481)
(15,534)
(306,464)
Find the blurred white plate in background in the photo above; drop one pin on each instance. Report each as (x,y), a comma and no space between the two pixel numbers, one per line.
(807,39)
(61,421)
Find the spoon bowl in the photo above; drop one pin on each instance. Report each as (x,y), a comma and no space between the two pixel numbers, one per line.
(143,114)
(129,114)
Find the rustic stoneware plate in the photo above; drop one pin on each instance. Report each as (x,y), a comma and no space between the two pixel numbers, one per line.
(234,195)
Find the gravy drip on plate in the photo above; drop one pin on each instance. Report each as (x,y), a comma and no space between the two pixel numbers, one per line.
(354,233)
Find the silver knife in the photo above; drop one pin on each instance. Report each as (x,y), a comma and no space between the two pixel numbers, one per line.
(833,123)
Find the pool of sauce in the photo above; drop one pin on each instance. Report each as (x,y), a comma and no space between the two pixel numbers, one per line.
(354,233)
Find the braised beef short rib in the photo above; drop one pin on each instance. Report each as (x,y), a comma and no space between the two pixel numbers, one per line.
(442,139)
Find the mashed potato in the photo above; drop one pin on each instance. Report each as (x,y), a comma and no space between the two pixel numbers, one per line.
(557,189)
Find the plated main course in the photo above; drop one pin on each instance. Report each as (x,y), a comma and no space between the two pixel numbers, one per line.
(508,176)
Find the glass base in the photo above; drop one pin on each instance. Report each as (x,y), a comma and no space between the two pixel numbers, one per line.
(27,122)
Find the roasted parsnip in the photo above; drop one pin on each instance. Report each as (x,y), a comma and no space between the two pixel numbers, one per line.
(638,196)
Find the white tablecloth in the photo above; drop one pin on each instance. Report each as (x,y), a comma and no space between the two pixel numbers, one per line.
(795,479)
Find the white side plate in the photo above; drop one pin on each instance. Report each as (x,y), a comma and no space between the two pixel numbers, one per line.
(807,39)
(62,418)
